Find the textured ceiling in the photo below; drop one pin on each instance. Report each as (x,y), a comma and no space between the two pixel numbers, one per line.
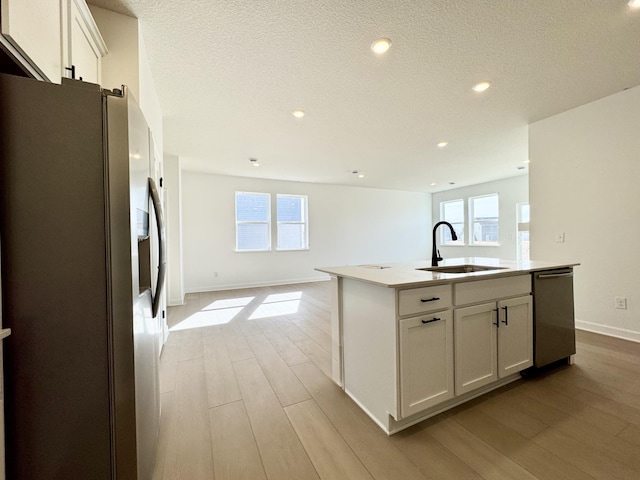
(229,73)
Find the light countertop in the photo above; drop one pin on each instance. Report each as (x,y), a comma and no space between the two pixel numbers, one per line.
(396,275)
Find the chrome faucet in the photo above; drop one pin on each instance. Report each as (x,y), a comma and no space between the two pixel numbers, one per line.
(435,254)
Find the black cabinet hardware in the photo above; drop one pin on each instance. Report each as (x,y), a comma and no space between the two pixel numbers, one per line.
(506,316)
(425,300)
(72,69)
(434,319)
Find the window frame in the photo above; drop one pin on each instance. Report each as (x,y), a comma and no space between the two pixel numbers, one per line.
(461,238)
(267,222)
(472,221)
(304,222)
(522,227)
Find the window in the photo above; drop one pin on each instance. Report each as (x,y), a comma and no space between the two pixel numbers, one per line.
(483,212)
(452,212)
(292,231)
(522,216)
(253,221)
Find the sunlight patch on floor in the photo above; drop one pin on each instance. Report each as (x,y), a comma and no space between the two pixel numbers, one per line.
(229,302)
(278,304)
(216,313)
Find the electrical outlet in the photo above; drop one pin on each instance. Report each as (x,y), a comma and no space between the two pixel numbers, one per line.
(560,237)
(621,303)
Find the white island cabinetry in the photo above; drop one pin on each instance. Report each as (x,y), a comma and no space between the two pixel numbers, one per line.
(410,353)
(493,339)
(425,347)
(410,342)
(426,361)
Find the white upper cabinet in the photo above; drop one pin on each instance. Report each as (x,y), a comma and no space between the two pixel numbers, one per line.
(82,44)
(52,37)
(33,29)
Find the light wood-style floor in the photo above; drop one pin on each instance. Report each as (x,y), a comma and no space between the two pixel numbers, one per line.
(246,395)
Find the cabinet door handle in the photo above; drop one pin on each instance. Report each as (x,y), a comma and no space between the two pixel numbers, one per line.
(425,300)
(497,322)
(434,319)
(506,316)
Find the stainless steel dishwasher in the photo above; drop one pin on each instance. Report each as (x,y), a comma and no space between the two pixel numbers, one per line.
(554,336)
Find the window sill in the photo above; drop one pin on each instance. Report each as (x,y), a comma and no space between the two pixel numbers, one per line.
(292,249)
(484,245)
(251,251)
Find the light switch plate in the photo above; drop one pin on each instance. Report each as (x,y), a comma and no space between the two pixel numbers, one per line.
(560,237)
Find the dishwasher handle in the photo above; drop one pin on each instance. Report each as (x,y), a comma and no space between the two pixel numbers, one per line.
(555,275)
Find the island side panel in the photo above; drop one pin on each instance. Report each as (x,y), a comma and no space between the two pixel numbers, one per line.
(369,348)
(336,330)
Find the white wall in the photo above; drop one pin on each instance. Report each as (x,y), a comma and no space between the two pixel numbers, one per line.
(348,225)
(585,181)
(120,34)
(149,102)
(173,212)
(511,191)
(127,64)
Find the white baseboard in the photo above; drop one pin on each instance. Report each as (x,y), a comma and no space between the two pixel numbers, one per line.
(174,302)
(609,331)
(236,286)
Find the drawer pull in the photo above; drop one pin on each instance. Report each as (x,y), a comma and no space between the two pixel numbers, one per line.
(434,319)
(425,300)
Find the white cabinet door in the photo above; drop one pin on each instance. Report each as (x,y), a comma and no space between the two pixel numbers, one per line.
(33,28)
(475,347)
(426,361)
(515,335)
(83,46)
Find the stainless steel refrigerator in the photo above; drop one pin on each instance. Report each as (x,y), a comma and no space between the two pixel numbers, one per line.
(80,288)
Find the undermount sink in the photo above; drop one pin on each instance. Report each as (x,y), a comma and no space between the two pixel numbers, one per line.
(461,268)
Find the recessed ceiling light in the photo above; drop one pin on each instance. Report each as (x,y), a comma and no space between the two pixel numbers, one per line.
(452,183)
(520,168)
(433,184)
(634,3)
(527,161)
(443,144)
(481,87)
(254,162)
(298,113)
(358,173)
(381,45)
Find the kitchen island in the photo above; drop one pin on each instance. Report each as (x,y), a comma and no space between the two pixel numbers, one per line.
(409,342)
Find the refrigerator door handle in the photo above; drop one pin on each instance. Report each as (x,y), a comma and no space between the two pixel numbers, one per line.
(162,260)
